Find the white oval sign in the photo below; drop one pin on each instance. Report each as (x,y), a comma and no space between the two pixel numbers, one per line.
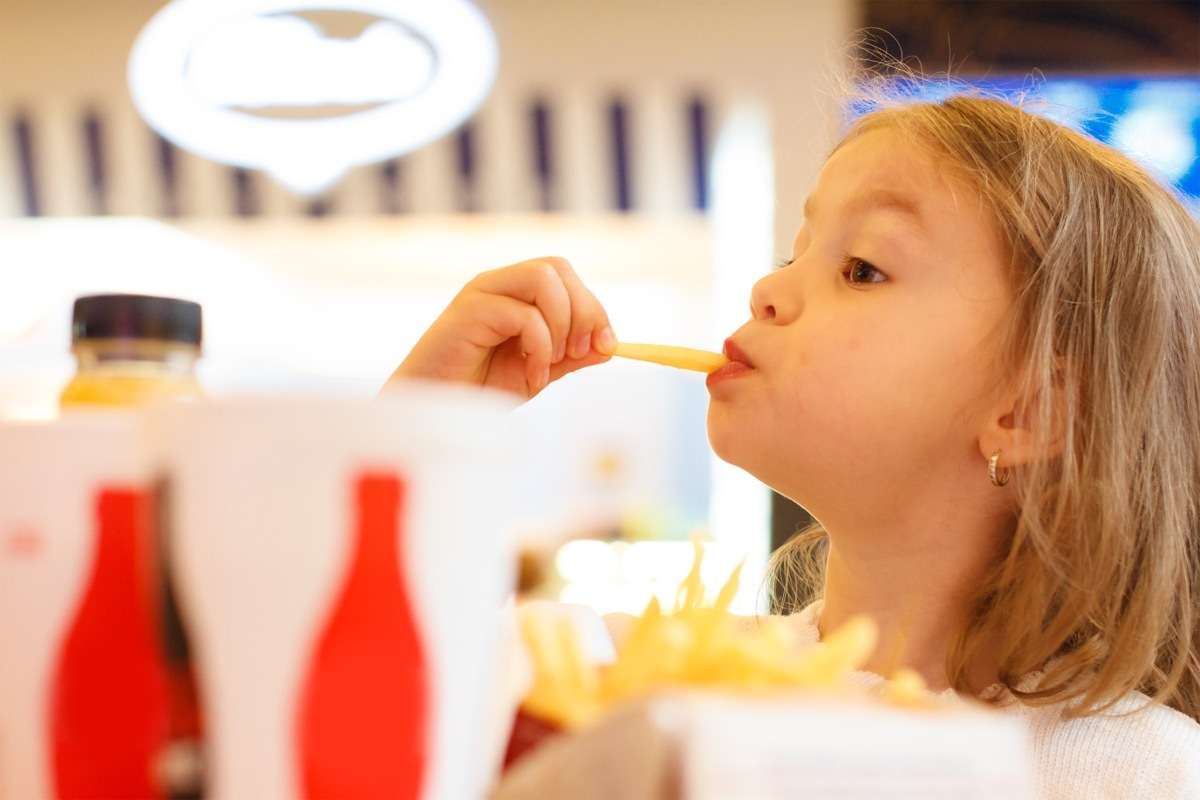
(206,75)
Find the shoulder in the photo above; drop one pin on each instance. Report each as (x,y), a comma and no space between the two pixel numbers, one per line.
(1137,749)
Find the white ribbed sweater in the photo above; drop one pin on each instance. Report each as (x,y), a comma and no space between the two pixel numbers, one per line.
(1137,751)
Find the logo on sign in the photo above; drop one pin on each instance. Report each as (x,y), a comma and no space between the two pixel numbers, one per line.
(306,89)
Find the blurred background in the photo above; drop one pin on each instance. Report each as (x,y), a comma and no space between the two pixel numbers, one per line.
(323,175)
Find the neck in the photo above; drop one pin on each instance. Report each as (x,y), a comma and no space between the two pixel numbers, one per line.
(918,590)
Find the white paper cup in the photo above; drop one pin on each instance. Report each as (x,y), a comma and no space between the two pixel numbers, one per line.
(317,661)
(82,693)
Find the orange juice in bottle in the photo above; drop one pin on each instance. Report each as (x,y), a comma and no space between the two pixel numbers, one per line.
(130,348)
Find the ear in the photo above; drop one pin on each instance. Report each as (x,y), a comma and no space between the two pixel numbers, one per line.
(1023,432)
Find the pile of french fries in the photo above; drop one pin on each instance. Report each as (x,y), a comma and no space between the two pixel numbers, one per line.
(693,645)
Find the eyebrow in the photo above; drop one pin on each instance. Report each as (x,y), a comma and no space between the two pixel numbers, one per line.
(875,200)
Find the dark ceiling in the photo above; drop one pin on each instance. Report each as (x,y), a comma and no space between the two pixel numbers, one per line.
(1049,35)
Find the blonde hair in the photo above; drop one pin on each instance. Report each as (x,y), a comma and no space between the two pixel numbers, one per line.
(1100,586)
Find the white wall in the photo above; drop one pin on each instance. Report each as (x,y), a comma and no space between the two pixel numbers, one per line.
(665,272)
(58,57)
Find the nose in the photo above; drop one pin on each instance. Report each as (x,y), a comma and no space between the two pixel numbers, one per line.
(767,302)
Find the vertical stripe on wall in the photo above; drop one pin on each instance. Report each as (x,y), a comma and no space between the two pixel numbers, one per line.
(168,177)
(465,168)
(245,199)
(321,206)
(542,156)
(390,201)
(97,178)
(23,133)
(697,112)
(619,134)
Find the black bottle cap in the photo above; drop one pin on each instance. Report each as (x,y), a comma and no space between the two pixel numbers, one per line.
(135,316)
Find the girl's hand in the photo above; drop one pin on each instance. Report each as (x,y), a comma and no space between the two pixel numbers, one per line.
(516,328)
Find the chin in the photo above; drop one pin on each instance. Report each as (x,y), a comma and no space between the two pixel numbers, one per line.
(735,450)
(738,451)
(720,438)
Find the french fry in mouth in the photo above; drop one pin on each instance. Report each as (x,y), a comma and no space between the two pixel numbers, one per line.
(671,356)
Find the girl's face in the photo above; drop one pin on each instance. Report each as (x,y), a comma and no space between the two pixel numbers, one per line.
(868,369)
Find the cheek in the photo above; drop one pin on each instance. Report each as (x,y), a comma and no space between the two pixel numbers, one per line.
(832,373)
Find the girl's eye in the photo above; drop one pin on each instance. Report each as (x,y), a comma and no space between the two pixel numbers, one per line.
(857,271)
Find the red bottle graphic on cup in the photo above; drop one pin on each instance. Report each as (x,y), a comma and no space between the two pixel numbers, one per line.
(108,710)
(363,714)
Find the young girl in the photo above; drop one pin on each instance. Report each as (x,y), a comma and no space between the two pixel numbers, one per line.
(979,370)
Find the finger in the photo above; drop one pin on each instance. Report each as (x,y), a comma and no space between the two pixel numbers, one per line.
(569,365)
(537,282)
(483,339)
(510,369)
(517,330)
(577,324)
(588,320)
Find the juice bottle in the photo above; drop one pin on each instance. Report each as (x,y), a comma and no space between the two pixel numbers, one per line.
(130,348)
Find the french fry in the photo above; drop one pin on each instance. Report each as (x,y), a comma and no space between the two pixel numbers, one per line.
(671,356)
(906,688)
(842,651)
(696,643)
(564,682)
(691,592)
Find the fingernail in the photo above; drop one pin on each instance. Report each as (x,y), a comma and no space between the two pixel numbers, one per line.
(581,346)
(561,352)
(606,341)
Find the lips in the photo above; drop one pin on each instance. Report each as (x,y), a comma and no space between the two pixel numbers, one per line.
(739,364)
(736,354)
